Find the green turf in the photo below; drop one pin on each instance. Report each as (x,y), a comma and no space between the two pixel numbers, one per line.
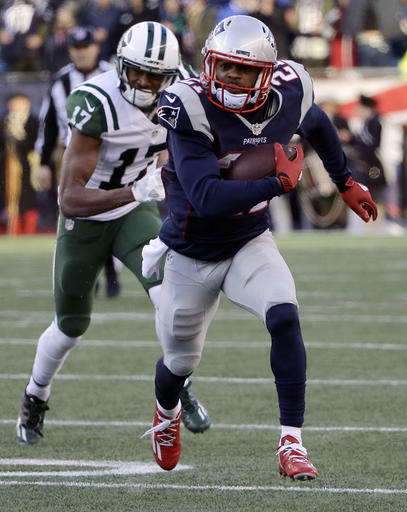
(353,295)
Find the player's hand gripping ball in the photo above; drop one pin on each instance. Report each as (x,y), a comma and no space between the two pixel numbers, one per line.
(279,160)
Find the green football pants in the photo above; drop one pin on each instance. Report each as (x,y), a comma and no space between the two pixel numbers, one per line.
(82,247)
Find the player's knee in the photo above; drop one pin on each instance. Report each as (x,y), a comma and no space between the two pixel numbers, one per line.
(73,326)
(182,365)
(282,318)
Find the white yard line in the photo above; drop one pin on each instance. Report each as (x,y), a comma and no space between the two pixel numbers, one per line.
(326,294)
(226,488)
(224,380)
(216,426)
(88,468)
(29,318)
(218,344)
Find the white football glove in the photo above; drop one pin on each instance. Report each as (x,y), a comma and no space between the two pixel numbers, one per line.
(149,188)
(151,257)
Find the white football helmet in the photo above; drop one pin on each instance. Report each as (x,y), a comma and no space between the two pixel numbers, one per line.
(243,40)
(151,47)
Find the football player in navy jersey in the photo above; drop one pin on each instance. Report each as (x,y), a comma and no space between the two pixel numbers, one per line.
(108,190)
(217,233)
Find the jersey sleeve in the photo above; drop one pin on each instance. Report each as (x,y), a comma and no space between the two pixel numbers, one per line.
(314,125)
(306,85)
(318,130)
(197,170)
(86,113)
(180,109)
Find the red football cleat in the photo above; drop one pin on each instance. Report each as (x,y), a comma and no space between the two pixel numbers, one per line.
(294,461)
(166,439)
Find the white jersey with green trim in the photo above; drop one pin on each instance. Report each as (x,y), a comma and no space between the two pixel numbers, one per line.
(131,142)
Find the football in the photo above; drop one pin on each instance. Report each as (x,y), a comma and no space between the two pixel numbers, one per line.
(256,163)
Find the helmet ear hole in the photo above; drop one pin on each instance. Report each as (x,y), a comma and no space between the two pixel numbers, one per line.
(150,47)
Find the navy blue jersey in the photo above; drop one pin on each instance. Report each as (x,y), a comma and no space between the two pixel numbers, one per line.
(210,218)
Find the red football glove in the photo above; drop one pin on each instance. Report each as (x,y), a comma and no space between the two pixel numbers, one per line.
(358,198)
(288,171)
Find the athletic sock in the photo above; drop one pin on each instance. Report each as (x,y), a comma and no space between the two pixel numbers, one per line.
(288,362)
(52,349)
(169,413)
(167,386)
(38,391)
(291,431)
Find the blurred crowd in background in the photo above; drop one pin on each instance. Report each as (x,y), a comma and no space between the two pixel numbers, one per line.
(334,34)
(339,33)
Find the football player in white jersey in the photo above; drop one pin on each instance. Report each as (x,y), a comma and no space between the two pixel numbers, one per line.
(85,64)
(109,185)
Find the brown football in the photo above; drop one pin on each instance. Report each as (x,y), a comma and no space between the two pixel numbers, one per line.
(256,163)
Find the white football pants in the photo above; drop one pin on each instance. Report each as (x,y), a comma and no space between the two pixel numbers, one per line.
(256,278)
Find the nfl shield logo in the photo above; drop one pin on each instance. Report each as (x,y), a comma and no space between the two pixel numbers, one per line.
(169,258)
(69,224)
(257,128)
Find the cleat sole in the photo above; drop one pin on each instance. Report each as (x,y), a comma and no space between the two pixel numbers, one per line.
(304,477)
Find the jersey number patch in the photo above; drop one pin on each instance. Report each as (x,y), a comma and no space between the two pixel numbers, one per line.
(78,111)
(127,158)
(283,74)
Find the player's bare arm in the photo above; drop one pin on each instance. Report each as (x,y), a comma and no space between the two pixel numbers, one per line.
(78,164)
(162,158)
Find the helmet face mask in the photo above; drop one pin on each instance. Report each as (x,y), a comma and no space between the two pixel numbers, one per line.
(242,40)
(147,47)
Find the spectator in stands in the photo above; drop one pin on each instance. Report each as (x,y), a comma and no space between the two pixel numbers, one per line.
(24,26)
(173,16)
(375,26)
(311,43)
(398,43)
(368,168)
(56,52)
(103,16)
(331,109)
(217,3)
(18,130)
(136,11)
(342,47)
(233,7)
(279,20)
(200,20)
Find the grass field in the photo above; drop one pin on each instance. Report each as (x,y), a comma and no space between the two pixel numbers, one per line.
(353,296)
